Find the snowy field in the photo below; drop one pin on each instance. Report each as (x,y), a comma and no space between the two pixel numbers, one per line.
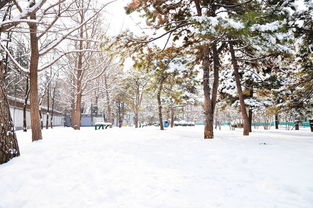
(148,168)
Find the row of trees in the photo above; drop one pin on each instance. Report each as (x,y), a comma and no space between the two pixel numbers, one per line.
(252,55)
(61,37)
(261,48)
(55,55)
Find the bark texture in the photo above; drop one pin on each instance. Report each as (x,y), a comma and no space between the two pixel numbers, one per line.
(136,106)
(108,101)
(52,107)
(172,116)
(276,121)
(77,112)
(8,142)
(250,119)
(120,112)
(34,99)
(160,103)
(210,98)
(239,91)
(78,93)
(25,105)
(48,106)
(160,111)
(136,119)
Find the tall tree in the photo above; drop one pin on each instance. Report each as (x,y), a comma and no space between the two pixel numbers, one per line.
(183,21)
(203,28)
(136,83)
(42,28)
(8,142)
(89,62)
(243,110)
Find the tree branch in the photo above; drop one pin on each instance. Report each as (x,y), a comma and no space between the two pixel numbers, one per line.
(6,25)
(64,54)
(20,68)
(57,42)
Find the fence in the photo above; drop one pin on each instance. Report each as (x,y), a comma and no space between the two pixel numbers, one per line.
(304,124)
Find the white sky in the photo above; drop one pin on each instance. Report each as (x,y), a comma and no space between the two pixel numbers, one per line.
(117,19)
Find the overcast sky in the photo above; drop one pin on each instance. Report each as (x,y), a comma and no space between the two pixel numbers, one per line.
(118,20)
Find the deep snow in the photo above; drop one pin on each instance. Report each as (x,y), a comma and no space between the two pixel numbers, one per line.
(149,168)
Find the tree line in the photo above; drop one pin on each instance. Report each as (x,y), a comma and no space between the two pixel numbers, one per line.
(262,49)
(255,56)
(40,41)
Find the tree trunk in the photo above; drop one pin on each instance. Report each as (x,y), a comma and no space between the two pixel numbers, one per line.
(52,106)
(109,117)
(8,142)
(266,124)
(250,120)
(250,112)
(137,105)
(123,113)
(41,119)
(120,120)
(172,116)
(217,121)
(34,102)
(77,112)
(73,101)
(208,124)
(108,101)
(276,121)
(136,118)
(239,91)
(96,107)
(210,103)
(77,109)
(91,113)
(160,111)
(48,107)
(25,105)
(79,73)
(118,112)
(121,109)
(160,103)
(72,110)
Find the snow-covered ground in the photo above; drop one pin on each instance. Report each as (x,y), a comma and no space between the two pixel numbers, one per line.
(148,168)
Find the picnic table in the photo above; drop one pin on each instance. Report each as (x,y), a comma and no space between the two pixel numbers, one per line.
(102,125)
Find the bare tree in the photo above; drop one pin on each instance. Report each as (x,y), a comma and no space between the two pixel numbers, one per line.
(89,60)
(8,141)
(47,30)
(95,65)
(111,86)
(136,84)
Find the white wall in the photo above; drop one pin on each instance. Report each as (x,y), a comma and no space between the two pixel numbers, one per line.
(17,117)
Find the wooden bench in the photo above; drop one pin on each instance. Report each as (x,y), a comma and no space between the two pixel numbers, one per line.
(102,125)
